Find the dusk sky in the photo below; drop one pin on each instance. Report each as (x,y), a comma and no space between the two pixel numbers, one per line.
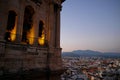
(90,24)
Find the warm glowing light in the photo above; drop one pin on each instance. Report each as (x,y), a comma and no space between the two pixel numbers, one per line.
(30,36)
(41,40)
(13,32)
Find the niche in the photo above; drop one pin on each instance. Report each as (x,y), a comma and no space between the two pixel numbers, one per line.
(41,34)
(28,34)
(10,34)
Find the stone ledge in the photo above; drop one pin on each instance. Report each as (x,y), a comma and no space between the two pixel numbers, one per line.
(33,74)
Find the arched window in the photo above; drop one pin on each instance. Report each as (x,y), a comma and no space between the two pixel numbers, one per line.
(11,26)
(41,28)
(27,25)
(41,34)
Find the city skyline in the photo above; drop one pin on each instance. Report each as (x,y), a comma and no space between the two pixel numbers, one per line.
(90,24)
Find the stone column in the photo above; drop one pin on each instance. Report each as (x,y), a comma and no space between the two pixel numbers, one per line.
(3,19)
(51,25)
(3,25)
(20,25)
(54,55)
(36,27)
(57,36)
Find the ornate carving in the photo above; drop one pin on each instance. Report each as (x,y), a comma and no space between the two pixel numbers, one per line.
(59,1)
(57,7)
(38,2)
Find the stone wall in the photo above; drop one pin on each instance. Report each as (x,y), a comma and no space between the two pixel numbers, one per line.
(17,55)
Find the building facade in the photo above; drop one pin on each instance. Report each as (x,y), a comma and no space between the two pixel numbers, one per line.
(30,35)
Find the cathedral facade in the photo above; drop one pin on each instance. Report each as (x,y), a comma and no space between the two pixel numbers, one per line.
(30,35)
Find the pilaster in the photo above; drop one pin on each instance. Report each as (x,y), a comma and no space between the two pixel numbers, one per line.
(3,24)
(20,24)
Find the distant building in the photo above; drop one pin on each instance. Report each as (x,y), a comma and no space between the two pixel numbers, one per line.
(30,35)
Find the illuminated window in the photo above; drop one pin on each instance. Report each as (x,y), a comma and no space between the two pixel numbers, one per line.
(41,39)
(27,34)
(10,34)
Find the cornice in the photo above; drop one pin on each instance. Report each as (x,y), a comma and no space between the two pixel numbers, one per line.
(62,1)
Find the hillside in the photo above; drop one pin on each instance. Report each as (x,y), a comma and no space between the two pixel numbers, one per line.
(90,53)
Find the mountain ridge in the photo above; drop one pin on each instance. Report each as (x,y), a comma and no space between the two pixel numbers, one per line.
(90,53)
